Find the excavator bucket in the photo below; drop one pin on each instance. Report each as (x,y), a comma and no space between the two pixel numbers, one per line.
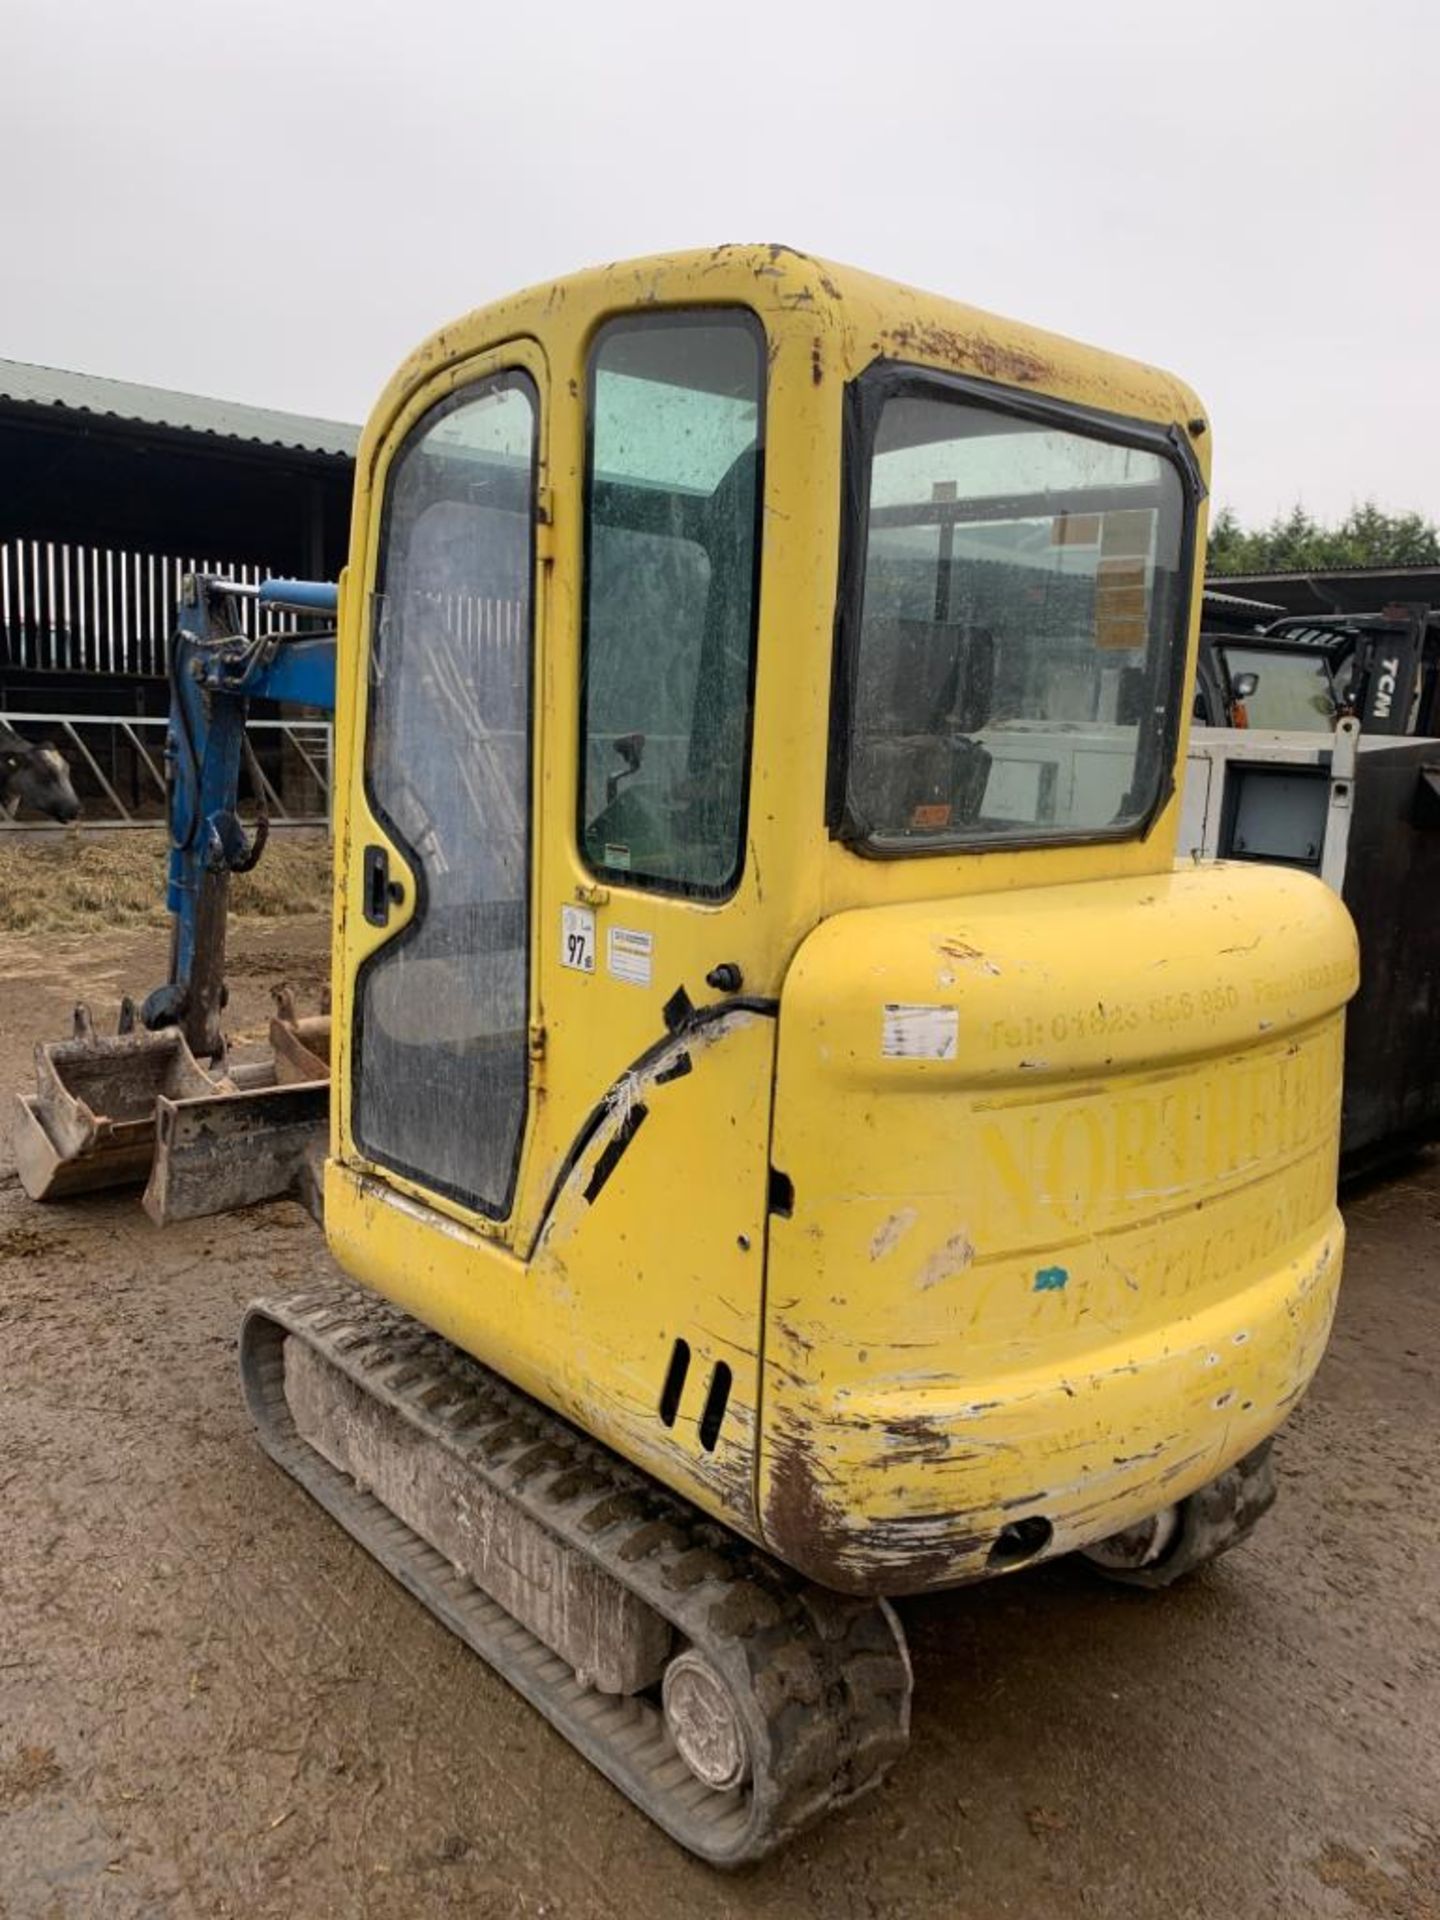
(299,1042)
(139,1107)
(215,1152)
(257,1140)
(90,1123)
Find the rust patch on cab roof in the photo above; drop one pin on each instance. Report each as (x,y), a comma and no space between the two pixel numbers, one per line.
(974,352)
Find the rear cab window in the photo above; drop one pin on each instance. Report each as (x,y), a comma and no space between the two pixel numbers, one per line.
(1013,618)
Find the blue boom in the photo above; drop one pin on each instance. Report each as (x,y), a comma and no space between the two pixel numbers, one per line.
(216,670)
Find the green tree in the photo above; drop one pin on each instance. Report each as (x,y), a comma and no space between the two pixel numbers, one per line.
(1295,542)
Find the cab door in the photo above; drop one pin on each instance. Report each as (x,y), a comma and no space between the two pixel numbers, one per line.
(439,1071)
(645,1189)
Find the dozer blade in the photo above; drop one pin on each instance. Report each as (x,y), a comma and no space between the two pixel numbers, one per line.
(91,1120)
(217,1151)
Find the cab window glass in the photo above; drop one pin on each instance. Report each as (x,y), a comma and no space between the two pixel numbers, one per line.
(1291,691)
(441,1029)
(1019,619)
(671,573)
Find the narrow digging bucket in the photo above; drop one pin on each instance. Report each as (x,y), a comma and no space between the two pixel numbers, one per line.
(90,1123)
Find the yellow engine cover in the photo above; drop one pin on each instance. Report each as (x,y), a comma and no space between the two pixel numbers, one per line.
(1064,1240)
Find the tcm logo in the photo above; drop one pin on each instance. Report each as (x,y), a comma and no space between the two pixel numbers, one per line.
(1385,688)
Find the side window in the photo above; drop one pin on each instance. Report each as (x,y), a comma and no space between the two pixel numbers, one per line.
(440,1083)
(672,500)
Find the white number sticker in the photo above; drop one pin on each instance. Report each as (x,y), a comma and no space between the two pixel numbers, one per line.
(577,939)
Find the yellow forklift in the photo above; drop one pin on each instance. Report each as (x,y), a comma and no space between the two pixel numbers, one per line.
(799,1137)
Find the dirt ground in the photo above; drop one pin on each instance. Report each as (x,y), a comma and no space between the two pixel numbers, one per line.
(212,1703)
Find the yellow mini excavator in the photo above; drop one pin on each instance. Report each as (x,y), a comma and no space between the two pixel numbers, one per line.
(799,1138)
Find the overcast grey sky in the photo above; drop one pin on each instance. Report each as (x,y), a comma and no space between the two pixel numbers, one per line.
(273,200)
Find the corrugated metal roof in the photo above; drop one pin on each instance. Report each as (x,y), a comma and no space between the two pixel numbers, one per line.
(1407,570)
(33,386)
(1234,603)
(1337,589)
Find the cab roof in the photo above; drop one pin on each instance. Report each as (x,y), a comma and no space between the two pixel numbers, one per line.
(843,318)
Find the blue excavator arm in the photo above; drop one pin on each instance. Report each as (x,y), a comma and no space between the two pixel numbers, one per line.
(216,670)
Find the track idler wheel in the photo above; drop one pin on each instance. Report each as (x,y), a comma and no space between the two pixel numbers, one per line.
(705,1722)
(1162,1549)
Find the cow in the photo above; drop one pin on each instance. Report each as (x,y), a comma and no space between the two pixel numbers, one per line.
(36,777)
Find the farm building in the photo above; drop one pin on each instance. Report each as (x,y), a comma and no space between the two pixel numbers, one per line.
(109,493)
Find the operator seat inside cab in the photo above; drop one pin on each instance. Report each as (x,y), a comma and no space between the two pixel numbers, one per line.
(925,689)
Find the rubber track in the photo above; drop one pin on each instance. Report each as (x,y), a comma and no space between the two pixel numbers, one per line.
(1217,1517)
(822,1680)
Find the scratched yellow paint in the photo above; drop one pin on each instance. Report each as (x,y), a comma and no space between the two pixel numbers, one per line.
(1092,1254)
(1143,1097)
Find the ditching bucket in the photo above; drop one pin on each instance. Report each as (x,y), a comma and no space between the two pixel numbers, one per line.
(215,1152)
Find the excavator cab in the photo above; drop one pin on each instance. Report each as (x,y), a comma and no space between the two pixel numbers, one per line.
(814,1143)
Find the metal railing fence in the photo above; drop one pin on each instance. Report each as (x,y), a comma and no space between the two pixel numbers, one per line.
(117,764)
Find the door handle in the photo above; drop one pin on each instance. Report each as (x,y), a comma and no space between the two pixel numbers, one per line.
(380,891)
